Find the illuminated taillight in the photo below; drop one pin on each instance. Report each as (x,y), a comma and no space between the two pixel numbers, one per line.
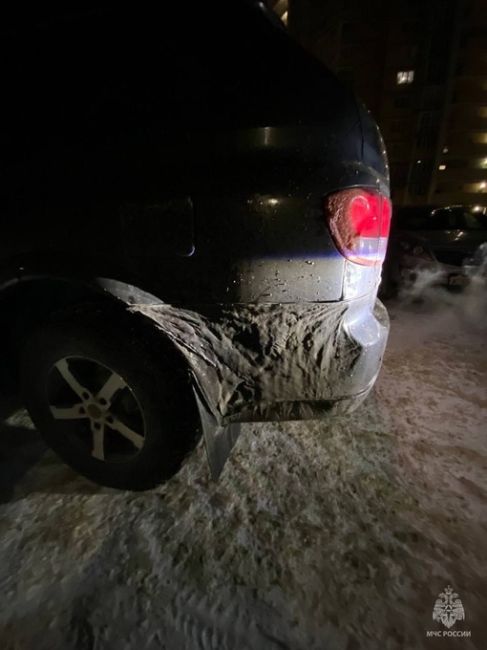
(359,221)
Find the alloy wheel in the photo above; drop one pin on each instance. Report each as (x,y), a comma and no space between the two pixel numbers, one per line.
(96,408)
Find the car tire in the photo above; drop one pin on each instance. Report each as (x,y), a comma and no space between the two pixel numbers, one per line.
(109,397)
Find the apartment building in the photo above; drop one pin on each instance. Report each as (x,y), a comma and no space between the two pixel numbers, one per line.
(421,68)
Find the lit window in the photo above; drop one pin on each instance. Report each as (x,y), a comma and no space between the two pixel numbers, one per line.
(405,77)
(442,168)
(480,187)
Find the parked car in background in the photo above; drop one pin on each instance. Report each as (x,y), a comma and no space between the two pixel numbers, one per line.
(194,218)
(446,242)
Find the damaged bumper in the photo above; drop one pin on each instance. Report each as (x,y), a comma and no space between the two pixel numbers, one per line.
(260,362)
(263,362)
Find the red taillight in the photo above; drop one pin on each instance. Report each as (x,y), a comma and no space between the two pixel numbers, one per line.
(359,221)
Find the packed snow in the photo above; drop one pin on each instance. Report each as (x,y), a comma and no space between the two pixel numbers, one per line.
(335,534)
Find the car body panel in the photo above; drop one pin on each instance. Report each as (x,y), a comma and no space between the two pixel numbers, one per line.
(185,174)
(112,174)
(277,361)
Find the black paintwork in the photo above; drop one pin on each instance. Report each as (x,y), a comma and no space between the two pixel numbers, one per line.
(165,148)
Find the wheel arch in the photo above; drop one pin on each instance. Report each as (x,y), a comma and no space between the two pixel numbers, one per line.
(29,301)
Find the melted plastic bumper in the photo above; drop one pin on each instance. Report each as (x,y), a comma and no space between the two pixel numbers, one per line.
(259,362)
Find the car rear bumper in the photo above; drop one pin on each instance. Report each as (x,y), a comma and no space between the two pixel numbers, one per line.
(258,362)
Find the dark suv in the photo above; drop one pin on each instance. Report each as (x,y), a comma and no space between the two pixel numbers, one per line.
(194,218)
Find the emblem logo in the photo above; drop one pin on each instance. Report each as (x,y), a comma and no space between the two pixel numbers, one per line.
(448,608)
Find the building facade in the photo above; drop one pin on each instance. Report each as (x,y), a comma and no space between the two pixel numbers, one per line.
(421,69)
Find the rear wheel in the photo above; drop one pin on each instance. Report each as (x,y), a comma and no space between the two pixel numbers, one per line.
(115,407)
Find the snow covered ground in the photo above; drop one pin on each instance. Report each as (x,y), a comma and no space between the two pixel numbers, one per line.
(319,535)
